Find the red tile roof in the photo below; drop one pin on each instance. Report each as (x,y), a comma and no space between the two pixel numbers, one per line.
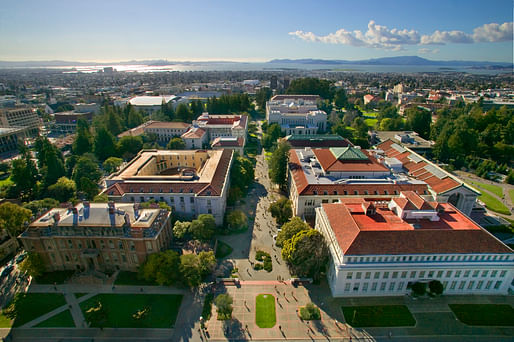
(194,133)
(219,142)
(386,233)
(304,188)
(295,97)
(329,162)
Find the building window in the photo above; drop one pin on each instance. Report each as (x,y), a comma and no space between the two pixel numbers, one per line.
(466,274)
(462,284)
(452,287)
(356,287)
(413,274)
(349,275)
(422,274)
(347,287)
(191,200)
(383,286)
(430,274)
(365,287)
(377,275)
(400,286)
(496,285)
(457,274)
(404,274)
(358,275)
(120,245)
(475,273)
(391,286)
(149,246)
(439,274)
(395,275)
(367,275)
(386,275)
(123,258)
(132,246)
(484,274)
(502,274)
(488,285)
(471,284)
(448,274)
(493,273)
(479,285)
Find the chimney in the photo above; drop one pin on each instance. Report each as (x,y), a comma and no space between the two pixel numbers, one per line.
(127,220)
(87,207)
(57,217)
(136,210)
(75,215)
(112,207)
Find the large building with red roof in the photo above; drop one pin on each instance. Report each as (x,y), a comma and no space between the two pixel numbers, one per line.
(382,247)
(191,182)
(223,126)
(323,175)
(443,186)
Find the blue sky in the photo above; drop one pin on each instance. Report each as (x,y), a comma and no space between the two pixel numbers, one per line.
(113,30)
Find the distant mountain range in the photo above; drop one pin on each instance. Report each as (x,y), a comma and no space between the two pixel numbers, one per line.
(400,60)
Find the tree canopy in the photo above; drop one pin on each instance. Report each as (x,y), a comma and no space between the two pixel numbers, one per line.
(306,253)
(278,164)
(312,86)
(176,143)
(281,210)
(290,229)
(13,218)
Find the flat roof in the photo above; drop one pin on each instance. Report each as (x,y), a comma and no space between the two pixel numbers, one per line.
(151,100)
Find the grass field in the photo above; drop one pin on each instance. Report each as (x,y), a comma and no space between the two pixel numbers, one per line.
(495,189)
(61,320)
(371,122)
(493,204)
(484,314)
(5,322)
(511,195)
(223,249)
(162,313)
(378,316)
(29,306)
(130,278)
(265,316)
(78,295)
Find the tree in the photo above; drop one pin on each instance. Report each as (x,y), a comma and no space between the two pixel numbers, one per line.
(41,206)
(13,218)
(278,164)
(63,190)
(203,228)
(86,175)
(325,105)
(290,229)
(83,140)
(510,177)
(262,96)
(223,304)
(50,161)
(207,262)
(180,229)
(104,144)
(306,253)
(312,86)
(24,174)
(183,113)
(4,167)
(112,164)
(340,98)
(419,120)
(134,118)
(419,289)
(310,312)
(190,269)
(163,268)
(242,174)
(281,210)
(236,220)
(129,146)
(101,198)
(33,265)
(436,287)
(112,120)
(176,143)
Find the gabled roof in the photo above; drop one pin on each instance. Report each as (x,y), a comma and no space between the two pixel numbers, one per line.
(329,162)
(348,153)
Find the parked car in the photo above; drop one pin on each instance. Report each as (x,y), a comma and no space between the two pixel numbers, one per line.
(8,269)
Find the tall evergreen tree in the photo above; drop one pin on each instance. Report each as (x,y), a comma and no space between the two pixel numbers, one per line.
(104,145)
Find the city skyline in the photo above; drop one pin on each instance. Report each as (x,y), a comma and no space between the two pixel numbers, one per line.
(203,31)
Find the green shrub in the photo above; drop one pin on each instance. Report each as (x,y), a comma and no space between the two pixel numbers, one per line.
(207,306)
(259,256)
(257,267)
(419,289)
(268,265)
(310,312)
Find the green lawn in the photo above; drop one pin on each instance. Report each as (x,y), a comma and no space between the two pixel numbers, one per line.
(61,320)
(5,322)
(265,316)
(78,295)
(511,195)
(371,122)
(484,314)
(6,182)
(163,309)
(495,189)
(223,249)
(29,306)
(493,204)
(57,277)
(378,316)
(130,278)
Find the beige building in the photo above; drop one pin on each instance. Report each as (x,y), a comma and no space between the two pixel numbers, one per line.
(192,182)
(20,117)
(98,236)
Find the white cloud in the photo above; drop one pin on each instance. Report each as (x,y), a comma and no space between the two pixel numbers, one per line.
(381,37)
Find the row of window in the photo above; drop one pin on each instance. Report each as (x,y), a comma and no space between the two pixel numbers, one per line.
(365,192)
(429,274)
(102,244)
(400,286)
(417,258)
